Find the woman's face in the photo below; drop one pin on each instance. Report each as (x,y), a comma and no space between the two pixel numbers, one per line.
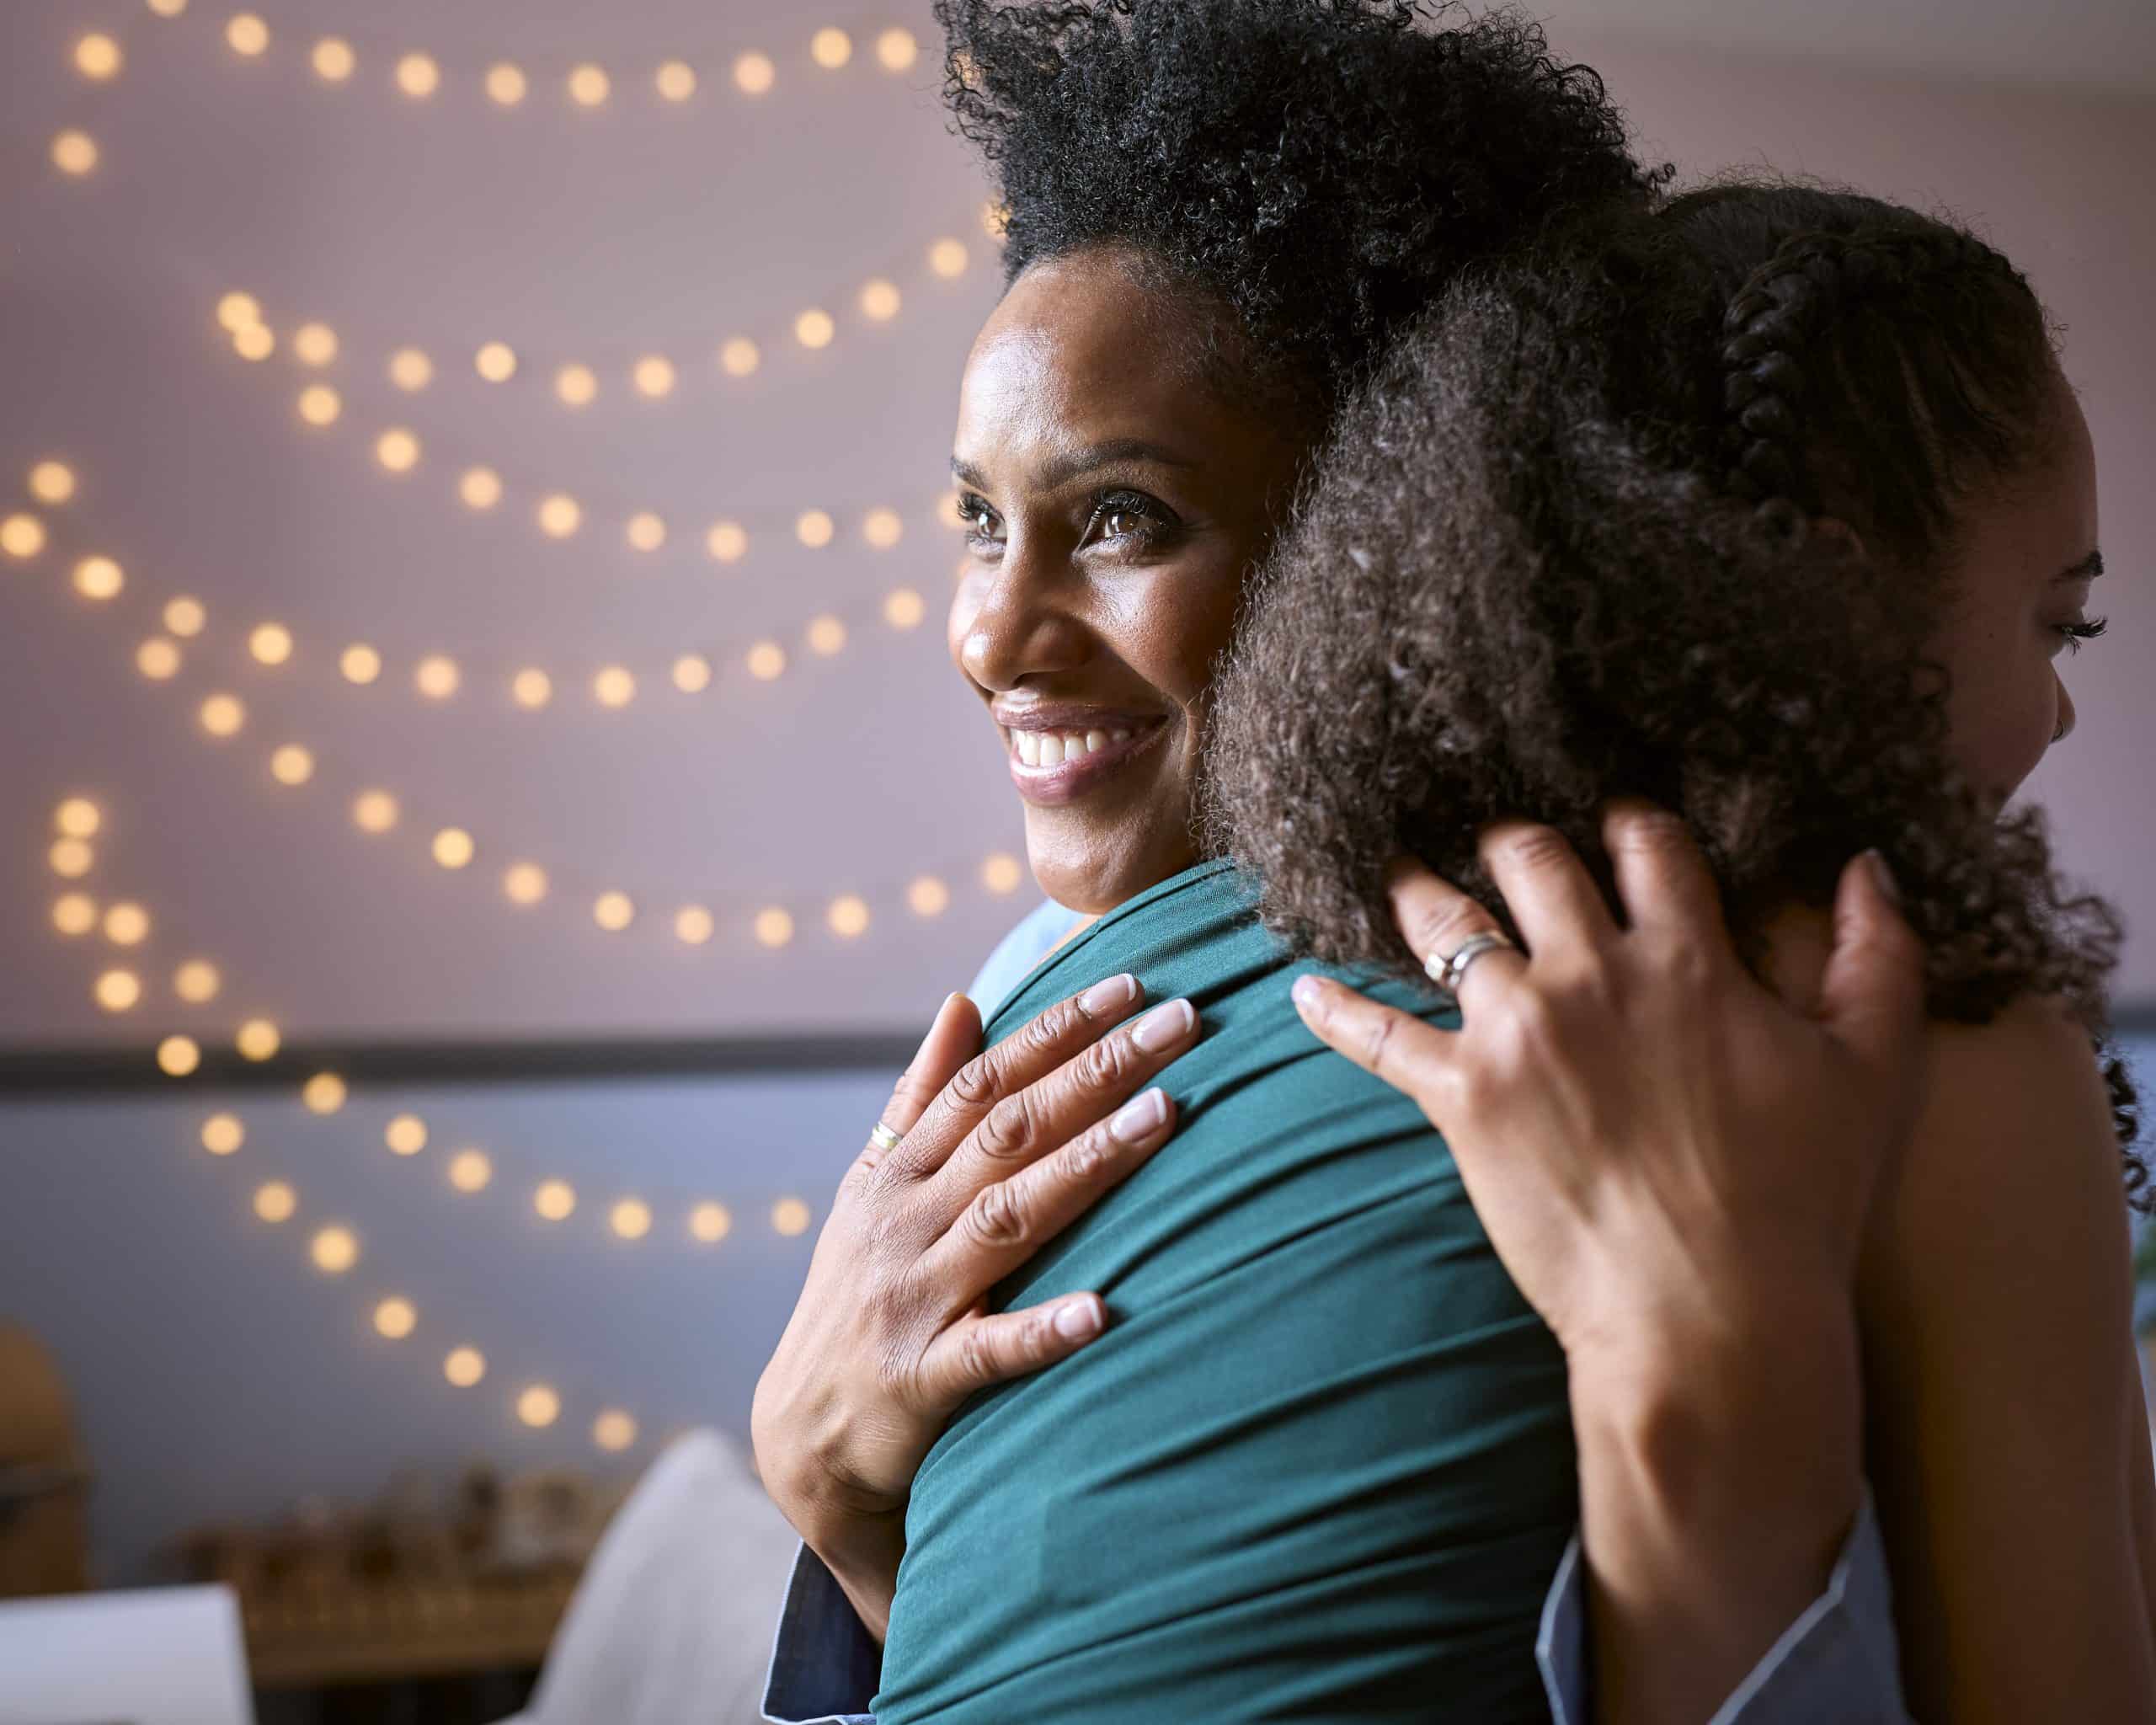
(1114,503)
(2021,592)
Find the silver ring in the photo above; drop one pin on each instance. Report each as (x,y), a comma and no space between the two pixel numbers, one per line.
(1447,972)
(883,1138)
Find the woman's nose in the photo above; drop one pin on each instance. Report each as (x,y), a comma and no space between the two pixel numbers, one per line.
(2066,712)
(1026,626)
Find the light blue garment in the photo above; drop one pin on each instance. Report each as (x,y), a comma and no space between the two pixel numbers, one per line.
(1017,953)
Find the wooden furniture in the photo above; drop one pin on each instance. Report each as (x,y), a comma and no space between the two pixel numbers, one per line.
(45,1476)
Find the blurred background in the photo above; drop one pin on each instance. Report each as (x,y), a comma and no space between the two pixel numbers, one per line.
(487,806)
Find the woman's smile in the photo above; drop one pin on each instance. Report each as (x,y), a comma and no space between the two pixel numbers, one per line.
(1063,750)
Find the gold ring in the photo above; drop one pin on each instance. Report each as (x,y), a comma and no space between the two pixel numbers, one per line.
(883,1138)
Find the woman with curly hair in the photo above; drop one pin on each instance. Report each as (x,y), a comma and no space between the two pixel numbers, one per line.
(1320,1465)
(1771,506)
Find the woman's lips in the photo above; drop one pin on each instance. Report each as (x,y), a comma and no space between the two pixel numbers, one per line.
(1052,766)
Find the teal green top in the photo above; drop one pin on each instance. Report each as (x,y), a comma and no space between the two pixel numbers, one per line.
(1320,1467)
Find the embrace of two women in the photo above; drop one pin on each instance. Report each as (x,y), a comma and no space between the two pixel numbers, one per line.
(1552,1151)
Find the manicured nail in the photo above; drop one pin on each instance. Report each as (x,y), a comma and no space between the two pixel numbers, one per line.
(1164,1026)
(1078,1320)
(1309,996)
(1139,1117)
(1883,877)
(1107,996)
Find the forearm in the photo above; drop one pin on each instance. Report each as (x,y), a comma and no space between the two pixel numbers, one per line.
(1719,1477)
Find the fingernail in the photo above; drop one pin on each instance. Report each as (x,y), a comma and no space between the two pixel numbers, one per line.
(1078,1320)
(1309,996)
(1883,877)
(1107,996)
(1139,1117)
(1164,1026)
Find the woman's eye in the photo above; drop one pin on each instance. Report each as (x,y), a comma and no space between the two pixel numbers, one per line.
(2072,635)
(978,519)
(1132,519)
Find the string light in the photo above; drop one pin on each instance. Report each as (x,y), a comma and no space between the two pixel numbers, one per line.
(774,928)
(274,1201)
(223,1134)
(405,1135)
(469,1170)
(324,1093)
(52,481)
(903,608)
(613,687)
(436,676)
(496,362)
(531,688)
(270,644)
(847,917)
(464,1367)
(71,858)
(559,515)
(247,34)
(257,341)
(481,488)
(654,376)
(613,1429)
(613,911)
(257,1039)
(74,913)
(830,49)
(397,450)
(554,1200)
(22,535)
(739,356)
(395,1318)
(453,848)
(410,370)
(360,664)
(222,715)
(78,818)
(896,50)
(98,578)
(814,328)
(118,990)
(418,75)
(196,981)
(588,86)
(928,896)
(882,528)
(693,925)
(826,635)
(754,74)
(314,344)
(813,528)
(185,616)
(538,1405)
(576,384)
(790,1217)
(320,405)
(525,882)
(766,660)
(178,1056)
(374,811)
(692,673)
(332,59)
(97,57)
(74,153)
(728,541)
(158,659)
(879,300)
(646,532)
(335,1249)
(630,1219)
(126,923)
(505,87)
(1001,873)
(237,311)
(676,80)
(947,259)
(167,9)
(710,1223)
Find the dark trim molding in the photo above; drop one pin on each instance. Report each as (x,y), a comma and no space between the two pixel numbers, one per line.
(77,1071)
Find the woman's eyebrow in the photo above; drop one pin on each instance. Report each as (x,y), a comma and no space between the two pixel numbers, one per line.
(1064,469)
(2087,569)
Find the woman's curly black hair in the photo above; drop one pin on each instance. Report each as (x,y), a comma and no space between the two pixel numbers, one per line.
(1569,545)
(1317,168)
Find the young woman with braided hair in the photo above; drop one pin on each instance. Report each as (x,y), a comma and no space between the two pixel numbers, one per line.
(1770,506)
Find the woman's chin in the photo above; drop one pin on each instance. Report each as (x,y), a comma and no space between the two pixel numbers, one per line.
(1091,866)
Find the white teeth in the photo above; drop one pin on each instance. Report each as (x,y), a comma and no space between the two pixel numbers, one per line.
(1118,736)
(1096,740)
(1051,750)
(1029,748)
(1059,748)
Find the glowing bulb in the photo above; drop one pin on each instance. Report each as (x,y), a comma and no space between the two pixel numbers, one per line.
(178,1056)
(235,311)
(257,1039)
(436,676)
(360,663)
(554,1200)
(320,405)
(256,341)
(397,450)
(374,811)
(409,369)
(464,1367)
(879,301)
(223,1134)
(496,362)
(418,75)
(826,635)
(405,1135)
(481,488)
(118,990)
(271,643)
(830,49)
(531,688)
(71,858)
(185,616)
(896,50)
(52,481)
(576,384)
(654,376)
(196,981)
(126,923)
(790,1217)
(766,660)
(928,896)
(738,357)
(97,57)
(814,328)
(646,532)
(333,60)
(903,608)
(613,687)
(98,578)
(693,925)
(754,74)
(314,344)
(630,1219)
(222,715)
(525,882)
(158,659)
(847,917)
(22,535)
(395,1318)
(692,673)
(813,528)
(324,1093)
(274,1201)
(453,848)
(167,9)
(78,817)
(773,928)
(947,259)
(469,1170)
(588,86)
(613,911)
(247,33)
(728,541)
(334,1250)
(74,913)
(559,515)
(505,87)
(74,153)
(613,1430)
(1001,872)
(538,1405)
(710,1223)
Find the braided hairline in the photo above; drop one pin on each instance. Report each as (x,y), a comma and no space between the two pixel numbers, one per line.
(1788,303)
